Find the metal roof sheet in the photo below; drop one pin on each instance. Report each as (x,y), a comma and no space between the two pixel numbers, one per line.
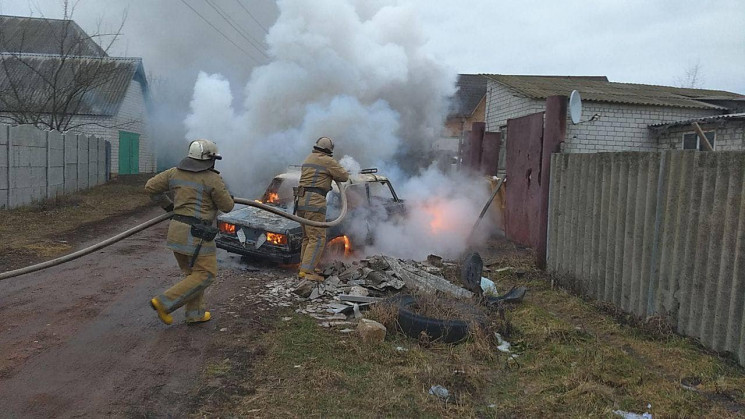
(46,36)
(85,85)
(599,89)
(732,116)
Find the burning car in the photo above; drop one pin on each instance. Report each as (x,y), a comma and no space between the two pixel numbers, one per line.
(259,234)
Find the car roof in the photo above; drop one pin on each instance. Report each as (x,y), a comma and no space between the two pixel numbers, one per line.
(294,175)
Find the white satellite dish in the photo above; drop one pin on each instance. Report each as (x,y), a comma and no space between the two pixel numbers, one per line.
(575,107)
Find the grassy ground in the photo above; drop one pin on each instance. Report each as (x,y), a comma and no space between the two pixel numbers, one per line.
(50,228)
(574,359)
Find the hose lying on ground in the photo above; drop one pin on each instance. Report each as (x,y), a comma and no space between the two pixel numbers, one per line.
(160,218)
(87,250)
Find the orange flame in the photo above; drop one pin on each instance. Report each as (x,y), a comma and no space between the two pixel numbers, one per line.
(347,244)
(272,198)
(437,219)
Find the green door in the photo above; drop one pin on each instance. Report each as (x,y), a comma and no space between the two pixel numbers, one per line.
(129,153)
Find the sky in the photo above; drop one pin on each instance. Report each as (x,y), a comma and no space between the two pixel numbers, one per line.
(638,41)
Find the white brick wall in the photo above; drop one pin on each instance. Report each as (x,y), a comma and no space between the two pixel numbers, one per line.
(619,127)
(131,117)
(622,127)
(730,136)
(504,103)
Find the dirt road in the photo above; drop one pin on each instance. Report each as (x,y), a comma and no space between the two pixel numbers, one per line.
(81,340)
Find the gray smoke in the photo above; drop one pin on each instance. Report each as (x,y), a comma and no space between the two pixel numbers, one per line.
(356,72)
(353,71)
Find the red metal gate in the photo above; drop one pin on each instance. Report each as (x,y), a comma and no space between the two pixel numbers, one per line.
(530,141)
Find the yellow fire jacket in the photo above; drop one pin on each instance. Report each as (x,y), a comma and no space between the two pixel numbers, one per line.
(195,194)
(318,171)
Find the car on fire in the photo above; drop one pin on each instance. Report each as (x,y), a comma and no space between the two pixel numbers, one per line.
(261,235)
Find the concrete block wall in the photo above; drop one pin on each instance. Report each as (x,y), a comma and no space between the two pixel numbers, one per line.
(730,136)
(622,127)
(37,164)
(503,103)
(619,127)
(132,117)
(655,234)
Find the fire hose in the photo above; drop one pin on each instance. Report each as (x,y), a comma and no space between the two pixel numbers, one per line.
(161,218)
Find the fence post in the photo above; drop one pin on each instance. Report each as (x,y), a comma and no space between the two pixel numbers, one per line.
(10,167)
(46,167)
(654,279)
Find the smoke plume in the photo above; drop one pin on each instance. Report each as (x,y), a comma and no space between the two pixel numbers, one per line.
(355,71)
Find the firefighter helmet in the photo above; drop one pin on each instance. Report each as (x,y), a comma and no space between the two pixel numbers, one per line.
(201,156)
(203,150)
(325,145)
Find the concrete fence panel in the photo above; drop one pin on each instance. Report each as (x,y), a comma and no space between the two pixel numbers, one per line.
(37,164)
(655,234)
(83,162)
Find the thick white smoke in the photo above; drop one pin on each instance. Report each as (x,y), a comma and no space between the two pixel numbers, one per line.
(355,71)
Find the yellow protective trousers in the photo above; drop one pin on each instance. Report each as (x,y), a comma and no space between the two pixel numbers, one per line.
(190,290)
(314,241)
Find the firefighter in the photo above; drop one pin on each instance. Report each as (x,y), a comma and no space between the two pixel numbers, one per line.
(198,193)
(317,172)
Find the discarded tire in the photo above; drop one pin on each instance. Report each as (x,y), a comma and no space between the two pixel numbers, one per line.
(441,330)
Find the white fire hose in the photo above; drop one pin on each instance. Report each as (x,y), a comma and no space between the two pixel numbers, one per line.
(160,218)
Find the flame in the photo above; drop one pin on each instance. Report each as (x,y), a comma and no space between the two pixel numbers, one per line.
(437,219)
(272,198)
(347,244)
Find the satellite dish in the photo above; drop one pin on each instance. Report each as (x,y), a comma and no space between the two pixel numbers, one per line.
(575,107)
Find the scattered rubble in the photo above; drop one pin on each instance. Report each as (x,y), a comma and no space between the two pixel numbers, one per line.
(351,287)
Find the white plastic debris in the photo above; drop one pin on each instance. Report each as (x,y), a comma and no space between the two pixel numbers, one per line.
(504,346)
(439,391)
(488,286)
(631,415)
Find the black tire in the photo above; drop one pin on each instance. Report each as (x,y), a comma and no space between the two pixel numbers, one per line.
(441,330)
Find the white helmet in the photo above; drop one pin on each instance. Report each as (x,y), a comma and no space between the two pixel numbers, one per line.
(203,150)
(325,145)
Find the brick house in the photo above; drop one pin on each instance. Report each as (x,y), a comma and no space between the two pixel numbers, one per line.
(111,104)
(617,116)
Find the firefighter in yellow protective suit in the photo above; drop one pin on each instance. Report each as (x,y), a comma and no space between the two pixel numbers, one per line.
(318,171)
(198,192)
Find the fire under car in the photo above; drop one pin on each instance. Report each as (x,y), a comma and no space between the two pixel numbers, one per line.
(261,235)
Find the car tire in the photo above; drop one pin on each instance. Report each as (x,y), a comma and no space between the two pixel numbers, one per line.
(442,330)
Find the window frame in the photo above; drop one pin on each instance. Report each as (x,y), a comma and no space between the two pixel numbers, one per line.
(712,140)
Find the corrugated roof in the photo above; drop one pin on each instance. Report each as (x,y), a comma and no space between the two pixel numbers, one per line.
(732,116)
(46,36)
(96,86)
(471,89)
(599,89)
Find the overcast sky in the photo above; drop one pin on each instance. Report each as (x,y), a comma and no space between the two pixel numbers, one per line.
(639,41)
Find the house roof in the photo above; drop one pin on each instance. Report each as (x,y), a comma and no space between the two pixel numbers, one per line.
(471,89)
(704,120)
(97,86)
(599,89)
(46,36)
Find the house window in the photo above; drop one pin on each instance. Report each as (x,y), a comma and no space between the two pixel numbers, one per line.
(691,141)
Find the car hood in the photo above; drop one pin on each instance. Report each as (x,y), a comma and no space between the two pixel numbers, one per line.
(256,218)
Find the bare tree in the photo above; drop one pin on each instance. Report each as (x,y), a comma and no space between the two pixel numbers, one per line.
(692,77)
(51,72)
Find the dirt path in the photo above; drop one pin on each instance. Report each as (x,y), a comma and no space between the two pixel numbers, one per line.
(81,340)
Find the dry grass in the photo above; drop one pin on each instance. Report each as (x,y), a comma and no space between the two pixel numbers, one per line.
(48,228)
(574,359)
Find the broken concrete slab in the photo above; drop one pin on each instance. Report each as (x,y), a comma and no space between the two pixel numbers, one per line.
(420,280)
(304,289)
